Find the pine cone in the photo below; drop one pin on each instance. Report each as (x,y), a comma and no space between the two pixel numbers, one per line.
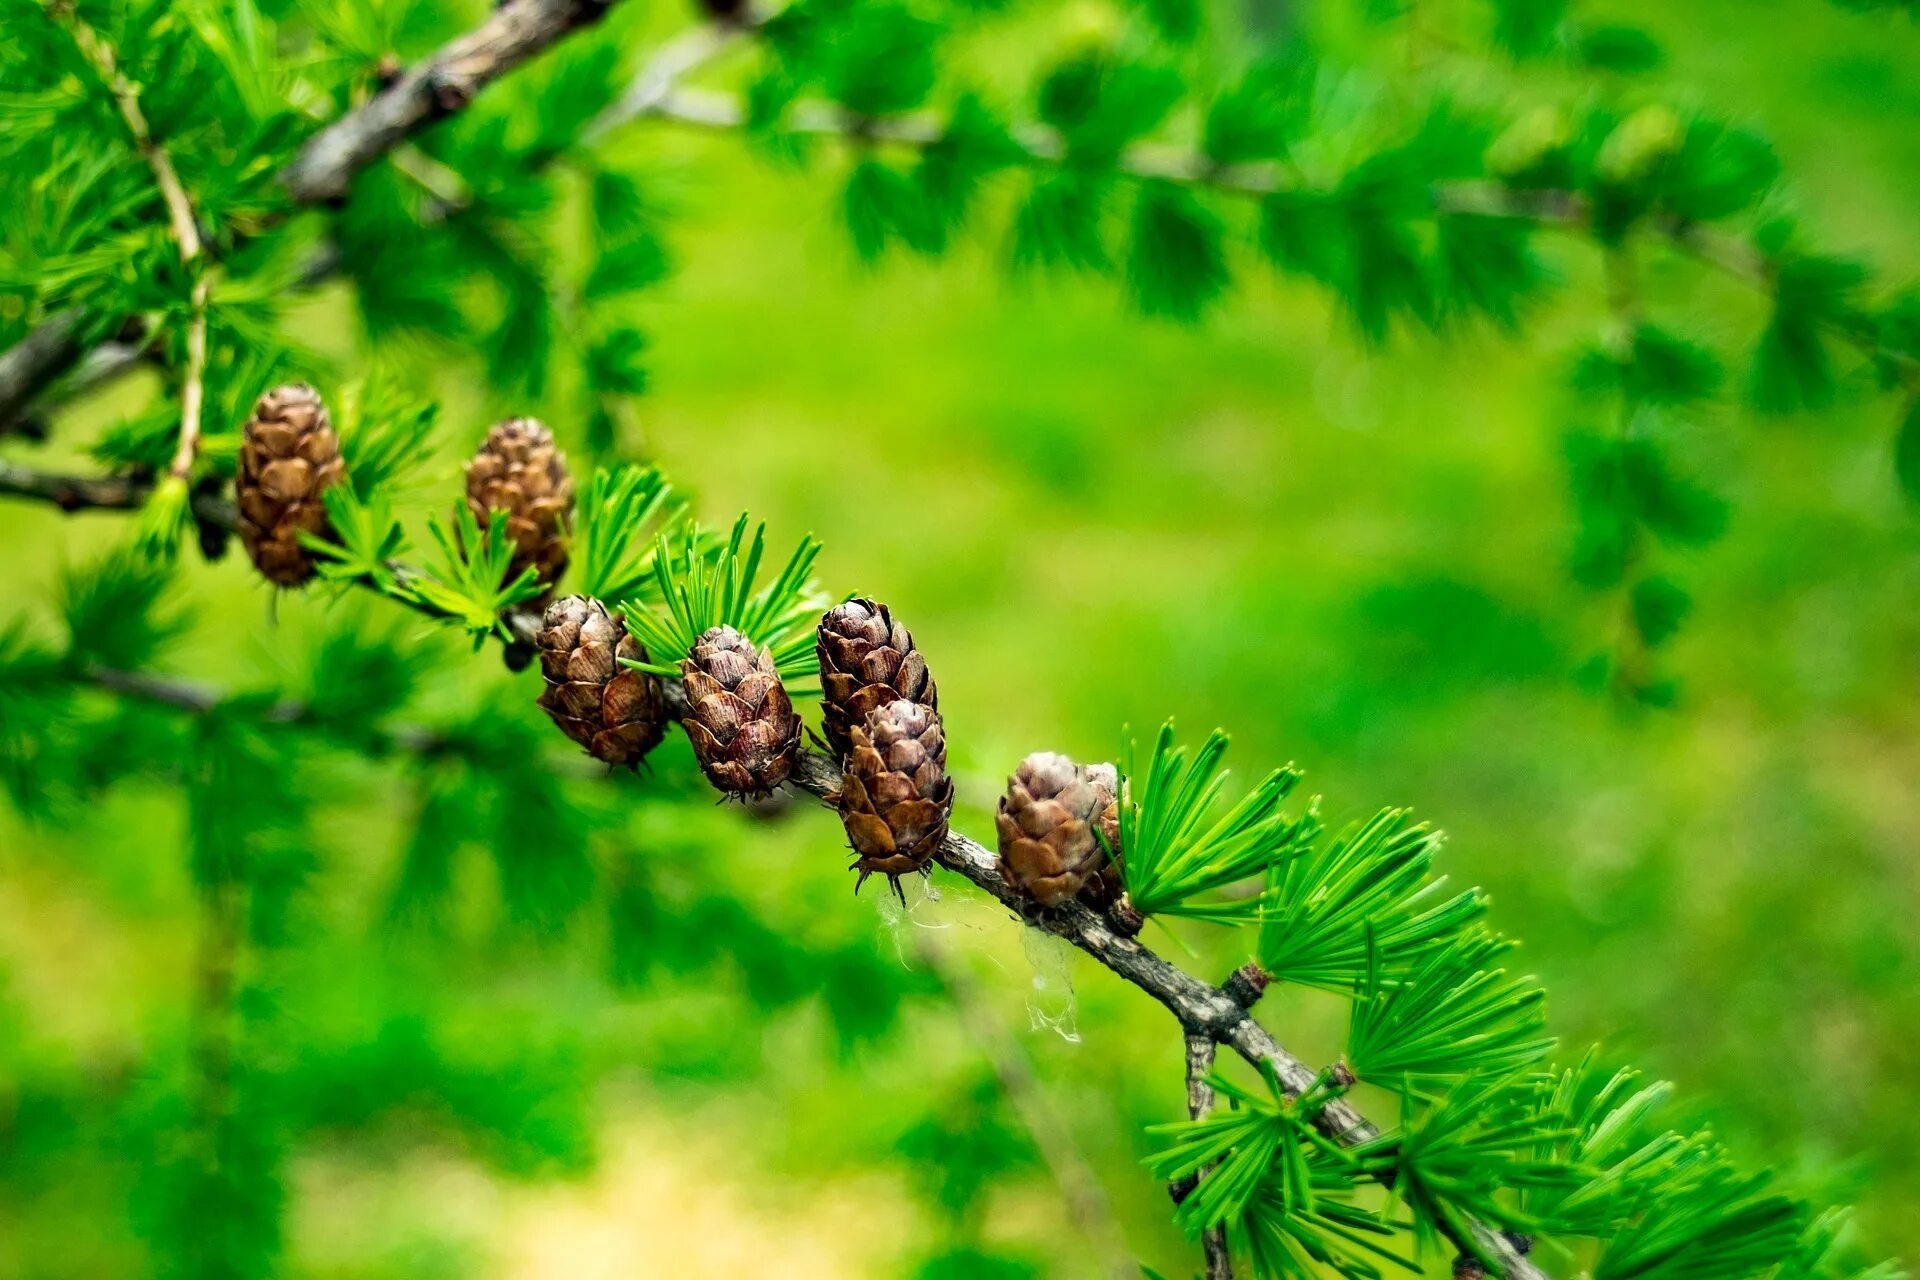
(615,712)
(1047,824)
(895,795)
(519,471)
(741,723)
(866,661)
(289,456)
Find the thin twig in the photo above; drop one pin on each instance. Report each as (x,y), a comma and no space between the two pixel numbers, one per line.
(443,84)
(1213,1241)
(1548,208)
(182,222)
(1086,1200)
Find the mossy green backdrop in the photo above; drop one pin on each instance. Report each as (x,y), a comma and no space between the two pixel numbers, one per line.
(1351,558)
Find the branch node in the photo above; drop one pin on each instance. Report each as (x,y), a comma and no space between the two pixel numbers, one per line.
(1126,921)
(1247,984)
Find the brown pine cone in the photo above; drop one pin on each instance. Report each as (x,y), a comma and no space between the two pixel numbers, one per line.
(1047,825)
(741,722)
(895,795)
(519,471)
(866,661)
(289,456)
(616,713)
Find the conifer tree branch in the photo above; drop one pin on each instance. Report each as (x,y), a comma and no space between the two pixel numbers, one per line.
(182,222)
(1201,1008)
(1213,1241)
(1550,209)
(441,85)
(30,365)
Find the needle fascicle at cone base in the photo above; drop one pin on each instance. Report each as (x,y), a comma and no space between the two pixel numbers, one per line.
(519,470)
(741,722)
(1051,824)
(867,659)
(895,796)
(617,713)
(289,458)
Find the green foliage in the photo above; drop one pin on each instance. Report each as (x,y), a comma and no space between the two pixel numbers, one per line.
(1176,266)
(1447,1017)
(1181,853)
(1906,450)
(470,584)
(1461,1159)
(384,433)
(366,540)
(117,612)
(1338,902)
(625,508)
(701,588)
(1812,294)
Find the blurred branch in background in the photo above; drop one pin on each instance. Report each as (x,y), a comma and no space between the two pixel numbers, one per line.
(1080,1188)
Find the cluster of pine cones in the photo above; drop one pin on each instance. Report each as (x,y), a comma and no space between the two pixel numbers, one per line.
(1058,834)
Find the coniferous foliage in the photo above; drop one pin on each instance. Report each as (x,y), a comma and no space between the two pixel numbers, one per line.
(181,176)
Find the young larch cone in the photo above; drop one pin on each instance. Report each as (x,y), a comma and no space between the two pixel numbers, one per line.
(1049,823)
(866,661)
(895,796)
(519,470)
(289,457)
(741,722)
(616,713)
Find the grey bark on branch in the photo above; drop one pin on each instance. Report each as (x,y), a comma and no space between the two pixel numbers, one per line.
(1213,1241)
(438,87)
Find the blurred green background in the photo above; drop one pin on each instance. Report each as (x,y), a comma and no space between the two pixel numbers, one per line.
(721,1060)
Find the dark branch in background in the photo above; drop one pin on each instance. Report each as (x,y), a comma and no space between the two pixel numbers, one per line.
(443,84)
(29,365)
(1213,1242)
(1086,1200)
(1551,209)
(1201,1008)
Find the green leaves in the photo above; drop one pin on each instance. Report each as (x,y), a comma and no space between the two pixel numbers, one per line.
(1266,1171)
(1814,295)
(1906,450)
(384,432)
(1460,1160)
(624,509)
(1180,855)
(1177,266)
(469,585)
(366,538)
(701,588)
(1337,904)
(1447,1017)
(116,613)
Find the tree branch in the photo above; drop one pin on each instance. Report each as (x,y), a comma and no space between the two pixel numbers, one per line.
(1551,209)
(443,84)
(1213,1241)
(1201,1008)
(182,222)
